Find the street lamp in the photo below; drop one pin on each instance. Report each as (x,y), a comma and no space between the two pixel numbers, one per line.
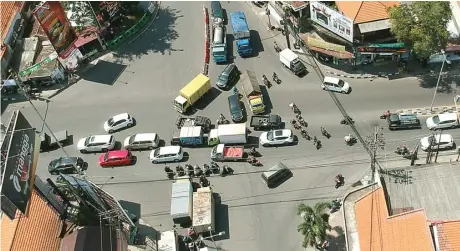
(211,236)
(444,60)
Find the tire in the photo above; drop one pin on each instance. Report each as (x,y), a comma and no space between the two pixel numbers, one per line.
(286,143)
(343,92)
(104,150)
(265,145)
(53,173)
(176,160)
(150,147)
(129,124)
(155,162)
(128,148)
(83,151)
(453,126)
(110,131)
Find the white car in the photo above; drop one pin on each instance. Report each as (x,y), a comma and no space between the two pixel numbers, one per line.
(442,121)
(444,141)
(142,141)
(96,143)
(277,137)
(166,154)
(335,85)
(118,122)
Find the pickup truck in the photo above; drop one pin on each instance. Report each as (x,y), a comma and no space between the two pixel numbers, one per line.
(48,142)
(265,122)
(227,153)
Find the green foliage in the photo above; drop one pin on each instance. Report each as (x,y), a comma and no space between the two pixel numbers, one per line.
(421,25)
(315,223)
(305,24)
(82,15)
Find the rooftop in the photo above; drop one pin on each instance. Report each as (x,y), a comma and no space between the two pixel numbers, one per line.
(378,230)
(365,11)
(448,235)
(8,10)
(433,187)
(39,230)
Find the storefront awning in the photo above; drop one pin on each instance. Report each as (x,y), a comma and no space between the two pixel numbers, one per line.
(374,26)
(336,54)
(334,50)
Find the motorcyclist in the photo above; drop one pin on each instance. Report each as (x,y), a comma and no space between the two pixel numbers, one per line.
(323,131)
(403,150)
(275,77)
(253,151)
(338,179)
(264,78)
(235,91)
(349,138)
(387,114)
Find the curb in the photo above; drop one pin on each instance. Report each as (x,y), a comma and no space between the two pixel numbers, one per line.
(362,76)
(428,111)
(206,42)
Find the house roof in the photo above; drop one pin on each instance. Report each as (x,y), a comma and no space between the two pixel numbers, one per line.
(448,235)
(37,231)
(8,10)
(377,230)
(365,11)
(87,35)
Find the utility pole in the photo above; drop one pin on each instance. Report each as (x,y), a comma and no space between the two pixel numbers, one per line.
(267,11)
(437,150)
(375,142)
(430,149)
(286,29)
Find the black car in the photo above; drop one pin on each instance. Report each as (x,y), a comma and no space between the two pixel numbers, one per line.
(227,76)
(66,165)
(235,107)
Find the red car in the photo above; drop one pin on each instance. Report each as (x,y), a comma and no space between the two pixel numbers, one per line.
(115,158)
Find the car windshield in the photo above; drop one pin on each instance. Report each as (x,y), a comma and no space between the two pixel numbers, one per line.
(270,135)
(341,83)
(58,163)
(436,119)
(223,77)
(106,156)
(131,139)
(110,121)
(156,153)
(88,140)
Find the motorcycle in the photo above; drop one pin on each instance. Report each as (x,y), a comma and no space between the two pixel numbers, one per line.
(385,115)
(325,133)
(189,169)
(276,47)
(345,121)
(295,124)
(215,167)
(266,81)
(236,92)
(180,171)
(253,152)
(207,170)
(253,161)
(402,150)
(169,172)
(339,181)
(350,140)
(335,205)
(294,108)
(276,79)
(304,134)
(222,120)
(197,171)
(226,170)
(203,181)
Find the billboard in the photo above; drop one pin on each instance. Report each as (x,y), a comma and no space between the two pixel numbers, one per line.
(53,20)
(332,20)
(21,163)
(83,184)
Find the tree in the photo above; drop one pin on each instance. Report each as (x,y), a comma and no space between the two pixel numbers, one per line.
(82,15)
(421,25)
(315,223)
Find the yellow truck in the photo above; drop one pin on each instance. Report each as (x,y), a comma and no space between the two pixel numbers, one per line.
(251,89)
(192,92)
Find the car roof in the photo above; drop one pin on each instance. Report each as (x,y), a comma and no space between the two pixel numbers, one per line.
(144,136)
(67,160)
(331,80)
(228,69)
(117,154)
(284,132)
(100,138)
(447,116)
(444,137)
(121,116)
(169,149)
(274,169)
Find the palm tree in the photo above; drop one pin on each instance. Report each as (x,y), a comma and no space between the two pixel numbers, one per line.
(315,223)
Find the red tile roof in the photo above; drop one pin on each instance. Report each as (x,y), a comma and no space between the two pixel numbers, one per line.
(8,10)
(448,235)
(378,231)
(365,11)
(38,231)
(85,36)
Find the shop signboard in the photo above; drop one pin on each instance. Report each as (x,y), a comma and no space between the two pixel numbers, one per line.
(332,20)
(373,49)
(20,164)
(54,22)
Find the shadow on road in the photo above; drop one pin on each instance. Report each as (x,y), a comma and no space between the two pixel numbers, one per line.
(158,37)
(94,74)
(267,101)
(337,239)
(222,222)
(207,99)
(230,44)
(447,84)
(257,46)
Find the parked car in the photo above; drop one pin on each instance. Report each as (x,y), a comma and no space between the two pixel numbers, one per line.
(277,137)
(96,143)
(443,141)
(227,76)
(66,165)
(335,85)
(442,121)
(118,122)
(141,141)
(236,110)
(116,158)
(166,154)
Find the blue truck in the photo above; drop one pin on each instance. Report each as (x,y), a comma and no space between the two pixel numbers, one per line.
(241,33)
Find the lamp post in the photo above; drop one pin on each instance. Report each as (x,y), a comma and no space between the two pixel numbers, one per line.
(444,60)
(267,11)
(211,236)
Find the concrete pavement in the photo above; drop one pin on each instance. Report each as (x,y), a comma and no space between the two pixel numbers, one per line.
(152,75)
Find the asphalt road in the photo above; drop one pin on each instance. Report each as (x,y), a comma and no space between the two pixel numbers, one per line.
(251,214)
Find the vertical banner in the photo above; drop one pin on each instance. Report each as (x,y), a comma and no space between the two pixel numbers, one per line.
(21,163)
(53,20)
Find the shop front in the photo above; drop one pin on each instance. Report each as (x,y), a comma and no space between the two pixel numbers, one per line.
(381,54)
(329,52)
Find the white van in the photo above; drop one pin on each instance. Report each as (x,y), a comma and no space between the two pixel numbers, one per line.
(142,141)
(335,85)
(442,121)
(166,154)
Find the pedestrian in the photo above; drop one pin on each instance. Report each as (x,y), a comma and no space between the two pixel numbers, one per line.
(458,153)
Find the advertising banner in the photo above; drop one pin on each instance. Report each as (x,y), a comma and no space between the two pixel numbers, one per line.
(21,163)
(53,20)
(332,20)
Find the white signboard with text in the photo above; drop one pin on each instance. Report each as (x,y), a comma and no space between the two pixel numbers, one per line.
(332,20)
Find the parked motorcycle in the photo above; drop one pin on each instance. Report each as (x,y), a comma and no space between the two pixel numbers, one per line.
(402,150)
(204,182)
(215,167)
(276,47)
(207,170)
(335,205)
(197,171)
(180,171)
(189,169)
(350,140)
(319,145)
(296,125)
(226,170)
(304,134)
(253,152)
(294,108)
(222,120)
(276,79)
(169,172)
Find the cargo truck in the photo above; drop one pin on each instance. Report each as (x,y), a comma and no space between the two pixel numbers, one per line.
(219,44)
(203,210)
(181,201)
(241,33)
(190,136)
(192,92)
(228,134)
(222,153)
(251,89)
(292,61)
